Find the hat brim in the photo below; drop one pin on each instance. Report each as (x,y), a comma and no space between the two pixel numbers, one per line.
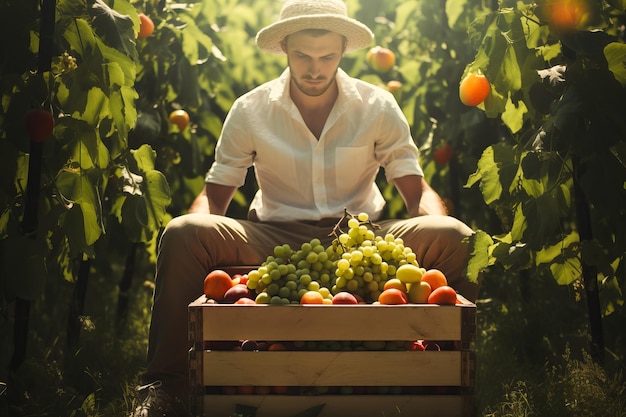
(357,34)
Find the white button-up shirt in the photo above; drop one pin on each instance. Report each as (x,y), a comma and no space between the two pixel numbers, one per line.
(301,177)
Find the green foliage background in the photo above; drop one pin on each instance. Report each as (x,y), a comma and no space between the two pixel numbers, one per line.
(115,171)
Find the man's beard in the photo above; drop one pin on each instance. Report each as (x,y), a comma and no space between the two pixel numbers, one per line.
(313,91)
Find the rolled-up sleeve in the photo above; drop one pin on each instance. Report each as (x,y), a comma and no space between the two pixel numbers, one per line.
(395,149)
(234,152)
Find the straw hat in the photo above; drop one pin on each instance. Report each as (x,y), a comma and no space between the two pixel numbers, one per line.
(298,15)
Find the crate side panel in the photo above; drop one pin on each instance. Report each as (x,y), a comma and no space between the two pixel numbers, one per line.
(323,322)
(293,368)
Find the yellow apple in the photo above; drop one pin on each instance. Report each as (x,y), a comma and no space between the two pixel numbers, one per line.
(419,292)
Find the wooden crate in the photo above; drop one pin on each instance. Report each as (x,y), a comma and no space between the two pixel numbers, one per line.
(339,382)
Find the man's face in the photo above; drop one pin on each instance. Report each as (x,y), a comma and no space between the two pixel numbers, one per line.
(313,60)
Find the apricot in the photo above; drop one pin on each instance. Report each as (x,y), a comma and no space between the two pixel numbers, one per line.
(216,283)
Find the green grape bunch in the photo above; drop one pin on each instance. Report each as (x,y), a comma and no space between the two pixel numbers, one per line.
(357,261)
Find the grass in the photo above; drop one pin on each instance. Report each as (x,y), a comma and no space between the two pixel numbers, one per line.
(532,352)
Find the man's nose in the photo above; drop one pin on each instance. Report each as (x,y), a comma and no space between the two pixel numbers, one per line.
(314,71)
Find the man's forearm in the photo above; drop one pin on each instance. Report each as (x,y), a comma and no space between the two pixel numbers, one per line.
(419,198)
(213,198)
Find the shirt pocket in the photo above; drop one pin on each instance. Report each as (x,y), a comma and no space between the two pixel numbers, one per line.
(354,165)
(277,170)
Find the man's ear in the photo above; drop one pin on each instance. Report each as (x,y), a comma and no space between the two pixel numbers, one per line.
(283,45)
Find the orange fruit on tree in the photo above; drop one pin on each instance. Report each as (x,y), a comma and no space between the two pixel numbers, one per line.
(474,89)
(393,296)
(567,14)
(146,26)
(442,154)
(393,86)
(380,59)
(443,295)
(216,283)
(435,278)
(312,297)
(39,125)
(180,118)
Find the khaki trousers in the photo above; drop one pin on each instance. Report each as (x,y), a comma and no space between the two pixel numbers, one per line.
(193,244)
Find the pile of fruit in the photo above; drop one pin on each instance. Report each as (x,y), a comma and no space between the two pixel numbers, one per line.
(358,267)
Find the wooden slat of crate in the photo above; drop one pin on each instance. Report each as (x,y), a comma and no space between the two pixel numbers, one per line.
(360,368)
(344,406)
(331,322)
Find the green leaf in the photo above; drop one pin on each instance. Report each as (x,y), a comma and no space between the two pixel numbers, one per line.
(592,253)
(520,224)
(405,11)
(79,34)
(196,44)
(513,116)
(495,170)
(567,271)
(549,253)
(84,229)
(615,54)
(454,9)
(480,259)
(144,156)
(96,107)
(115,28)
(141,209)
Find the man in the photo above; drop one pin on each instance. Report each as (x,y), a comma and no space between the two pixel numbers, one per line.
(316,139)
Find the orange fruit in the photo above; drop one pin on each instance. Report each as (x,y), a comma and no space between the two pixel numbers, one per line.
(435,278)
(344,297)
(280,389)
(394,283)
(146,26)
(180,118)
(393,296)
(216,283)
(245,389)
(39,125)
(277,346)
(474,89)
(567,14)
(245,300)
(393,86)
(444,295)
(380,59)
(419,292)
(312,297)
(442,154)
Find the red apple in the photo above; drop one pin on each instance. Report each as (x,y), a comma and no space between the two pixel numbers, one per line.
(344,297)
(235,293)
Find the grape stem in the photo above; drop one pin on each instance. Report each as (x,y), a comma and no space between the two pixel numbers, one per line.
(347,216)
